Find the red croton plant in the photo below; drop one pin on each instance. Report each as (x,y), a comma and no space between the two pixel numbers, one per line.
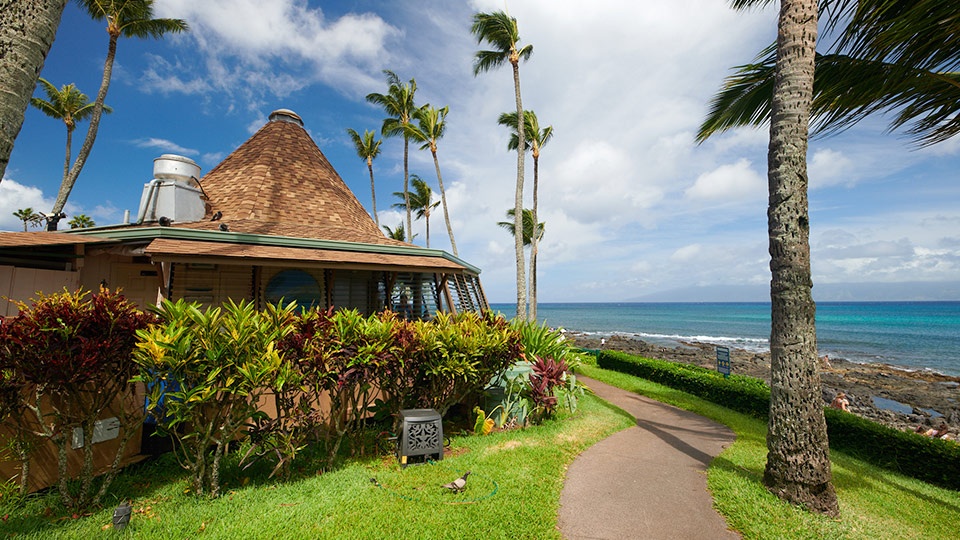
(70,355)
(547,375)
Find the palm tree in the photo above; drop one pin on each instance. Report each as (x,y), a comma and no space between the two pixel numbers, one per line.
(889,58)
(529,239)
(857,79)
(798,458)
(67,104)
(431,123)
(368,148)
(81,221)
(421,201)
(27,215)
(537,137)
(27,30)
(398,104)
(125,18)
(396,234)
(500,31)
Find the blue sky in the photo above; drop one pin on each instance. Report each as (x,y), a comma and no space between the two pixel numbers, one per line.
(632,206)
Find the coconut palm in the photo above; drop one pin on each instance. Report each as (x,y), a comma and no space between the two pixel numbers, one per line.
(125,18)
(537,138)
(500,31)
(421,201)
(861,75)
(798,458)
(398,104)
(396,234)
(367,148)
(81,221)
(529,239)
(431,123)
(67,104)
(28,216)
(27,30)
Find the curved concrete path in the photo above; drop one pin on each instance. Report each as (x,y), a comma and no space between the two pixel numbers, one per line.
(647,481)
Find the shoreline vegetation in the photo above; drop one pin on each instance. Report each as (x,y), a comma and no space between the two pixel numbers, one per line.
(899,398)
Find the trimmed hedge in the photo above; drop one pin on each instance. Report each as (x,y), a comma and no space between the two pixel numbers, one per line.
(742,394)
(930,460)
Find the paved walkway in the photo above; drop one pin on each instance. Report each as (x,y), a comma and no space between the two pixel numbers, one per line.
(648,481)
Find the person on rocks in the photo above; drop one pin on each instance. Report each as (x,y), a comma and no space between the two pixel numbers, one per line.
(841,402)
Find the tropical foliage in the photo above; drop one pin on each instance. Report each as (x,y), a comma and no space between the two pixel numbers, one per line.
(368,147)
(430,126)
(29,217)
(888,58)
(124,18)
(81,221)
(68,358)
(205,372)
(500,31)
(798,462)
(399,106)
(421,201)
(67,104)
(27,31)
(537,138)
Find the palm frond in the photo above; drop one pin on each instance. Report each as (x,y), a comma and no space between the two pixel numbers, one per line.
(487,60)
(846,90)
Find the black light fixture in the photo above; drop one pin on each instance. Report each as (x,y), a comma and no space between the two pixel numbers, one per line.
(121,516)
(421,436)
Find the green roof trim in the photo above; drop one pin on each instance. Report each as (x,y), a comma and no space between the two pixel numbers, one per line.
(149,233)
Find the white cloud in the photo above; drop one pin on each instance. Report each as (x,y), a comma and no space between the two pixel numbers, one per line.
(829,167)
(165,145)
(15,196)
(732,182)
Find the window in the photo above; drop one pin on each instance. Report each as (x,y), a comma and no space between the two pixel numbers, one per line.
(294,285)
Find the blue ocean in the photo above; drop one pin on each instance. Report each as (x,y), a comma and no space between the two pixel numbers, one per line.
(912,335)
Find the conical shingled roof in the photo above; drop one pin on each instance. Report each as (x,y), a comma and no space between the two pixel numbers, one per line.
(279,183)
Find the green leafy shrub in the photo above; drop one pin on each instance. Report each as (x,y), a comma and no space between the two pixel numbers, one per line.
(541,341)
(222,361)
(459,354)
(333,361)
(76,351)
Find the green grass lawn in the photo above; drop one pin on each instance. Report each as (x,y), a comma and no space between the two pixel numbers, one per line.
(874,503)
(514,492)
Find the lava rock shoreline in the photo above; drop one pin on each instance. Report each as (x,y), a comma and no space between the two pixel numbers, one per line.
(923,398)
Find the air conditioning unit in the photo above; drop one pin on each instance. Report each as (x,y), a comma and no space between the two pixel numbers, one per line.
(174,193)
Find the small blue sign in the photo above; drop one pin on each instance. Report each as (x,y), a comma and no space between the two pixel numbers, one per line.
(723,361)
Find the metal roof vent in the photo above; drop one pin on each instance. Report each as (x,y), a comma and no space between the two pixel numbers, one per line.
(174,195)
(286,115)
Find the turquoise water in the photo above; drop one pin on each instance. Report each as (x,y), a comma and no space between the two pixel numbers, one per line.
(914,335)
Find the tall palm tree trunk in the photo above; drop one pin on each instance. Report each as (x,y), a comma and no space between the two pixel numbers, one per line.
(27,31)
(443,198)
(373,192)
(66,159)
(71,179)
(534,241)
(522,312)
(406,187)
(798,462)
(426,217)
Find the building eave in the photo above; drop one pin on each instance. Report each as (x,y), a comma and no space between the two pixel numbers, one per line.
(146,234)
